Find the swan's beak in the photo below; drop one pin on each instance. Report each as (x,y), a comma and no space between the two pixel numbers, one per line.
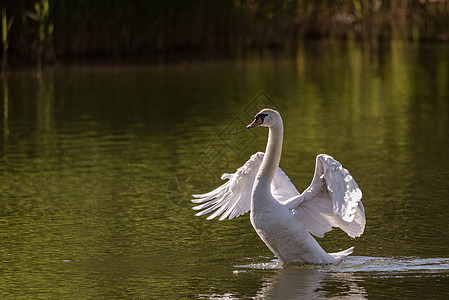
(256,122)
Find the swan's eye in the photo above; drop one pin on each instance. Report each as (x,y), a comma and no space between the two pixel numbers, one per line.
(258,120)
(261,116)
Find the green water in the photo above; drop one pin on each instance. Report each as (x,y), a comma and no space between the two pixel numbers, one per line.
(97,166)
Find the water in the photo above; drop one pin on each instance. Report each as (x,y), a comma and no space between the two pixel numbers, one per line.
(97,166)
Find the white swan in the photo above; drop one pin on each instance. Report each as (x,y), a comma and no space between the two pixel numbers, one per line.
(282,217)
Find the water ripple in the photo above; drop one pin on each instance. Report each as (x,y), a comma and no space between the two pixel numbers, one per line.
(368,264)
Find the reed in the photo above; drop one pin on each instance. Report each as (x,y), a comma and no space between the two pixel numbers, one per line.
(43,35)
(6,26)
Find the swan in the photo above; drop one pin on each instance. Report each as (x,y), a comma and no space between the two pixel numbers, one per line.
(283,218)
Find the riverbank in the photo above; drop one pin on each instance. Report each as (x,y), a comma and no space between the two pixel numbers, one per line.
(45,32)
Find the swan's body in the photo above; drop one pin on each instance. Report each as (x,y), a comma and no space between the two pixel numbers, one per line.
(282,217)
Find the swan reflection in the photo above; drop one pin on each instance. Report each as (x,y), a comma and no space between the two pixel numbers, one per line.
(298,283)
(344,281)
(311,284)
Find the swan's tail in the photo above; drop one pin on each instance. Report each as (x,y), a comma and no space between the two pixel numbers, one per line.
(340,256)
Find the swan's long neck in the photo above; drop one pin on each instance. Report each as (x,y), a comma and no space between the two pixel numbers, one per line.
(271,158)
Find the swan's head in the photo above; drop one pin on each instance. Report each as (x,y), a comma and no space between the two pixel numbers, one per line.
(266,117)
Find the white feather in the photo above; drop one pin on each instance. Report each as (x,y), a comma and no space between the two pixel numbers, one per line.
(333,199)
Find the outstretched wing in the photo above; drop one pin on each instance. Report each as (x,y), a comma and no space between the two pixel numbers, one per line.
(333,199)
(233,198)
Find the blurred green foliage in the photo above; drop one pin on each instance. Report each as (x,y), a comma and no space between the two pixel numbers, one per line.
(6,26)
(138,28)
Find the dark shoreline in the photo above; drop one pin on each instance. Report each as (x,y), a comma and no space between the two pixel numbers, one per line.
(47,32)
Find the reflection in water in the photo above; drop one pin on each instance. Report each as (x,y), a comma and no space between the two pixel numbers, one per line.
(345,281)
(298,283)
(310,284)
(5,112)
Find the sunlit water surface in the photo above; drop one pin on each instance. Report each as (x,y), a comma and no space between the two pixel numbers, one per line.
(97,166)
